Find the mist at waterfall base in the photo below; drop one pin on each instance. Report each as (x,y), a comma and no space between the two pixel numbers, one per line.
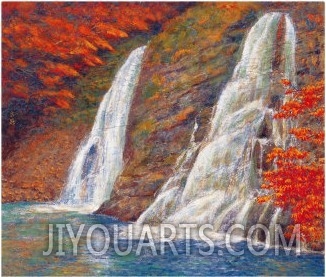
(222,185)
(99,159)
(208,196)
(25,236)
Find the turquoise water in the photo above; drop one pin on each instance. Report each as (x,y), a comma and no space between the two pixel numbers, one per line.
(25,236)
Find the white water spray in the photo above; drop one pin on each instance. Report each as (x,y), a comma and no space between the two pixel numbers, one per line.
(225,176)
(99,160)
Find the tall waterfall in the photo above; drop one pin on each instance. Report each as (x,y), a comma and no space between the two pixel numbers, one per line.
(99,160)
(221,186)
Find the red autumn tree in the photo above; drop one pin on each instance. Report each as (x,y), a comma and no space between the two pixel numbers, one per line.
(296,181)
(46,44)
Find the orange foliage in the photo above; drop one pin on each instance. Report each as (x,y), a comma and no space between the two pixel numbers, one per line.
(297,180)
(66,93)
(49,80)
(59,69)
(306,100)
(184,114)
(180,54)
(286,82)
(20,90)
(50,41)
(317,18)
(61,103)
(307,134)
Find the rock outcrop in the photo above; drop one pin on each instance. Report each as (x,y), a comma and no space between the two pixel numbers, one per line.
(37,170)
(184,70)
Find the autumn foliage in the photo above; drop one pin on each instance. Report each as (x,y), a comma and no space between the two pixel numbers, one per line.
(44,44)
(47,47)
(296,181)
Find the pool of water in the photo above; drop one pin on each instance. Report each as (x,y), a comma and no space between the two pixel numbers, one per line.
(25,235)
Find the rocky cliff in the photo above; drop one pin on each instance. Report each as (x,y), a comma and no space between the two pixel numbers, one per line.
(35,168)
(184,70)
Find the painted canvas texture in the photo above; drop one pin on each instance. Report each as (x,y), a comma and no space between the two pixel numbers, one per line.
(165,138)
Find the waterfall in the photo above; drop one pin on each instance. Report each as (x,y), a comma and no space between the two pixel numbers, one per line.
(99,159)
(225,176)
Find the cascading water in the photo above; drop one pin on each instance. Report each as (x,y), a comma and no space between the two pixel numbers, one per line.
(226,175)
(99,160)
